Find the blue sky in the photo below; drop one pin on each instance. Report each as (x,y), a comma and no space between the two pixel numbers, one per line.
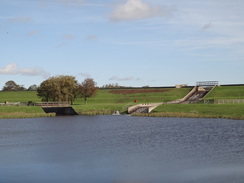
(129,42)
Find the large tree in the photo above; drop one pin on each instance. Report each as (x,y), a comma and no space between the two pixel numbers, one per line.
(59,88)
(88,89)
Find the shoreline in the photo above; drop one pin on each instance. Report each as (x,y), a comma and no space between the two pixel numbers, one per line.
(20,115)
(187,115)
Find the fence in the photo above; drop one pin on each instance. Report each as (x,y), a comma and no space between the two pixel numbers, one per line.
(228,101)
(11,104)
(17,104)
(53,104)
(216,101)
(42,104)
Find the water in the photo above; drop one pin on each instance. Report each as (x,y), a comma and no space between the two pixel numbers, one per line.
(121,149)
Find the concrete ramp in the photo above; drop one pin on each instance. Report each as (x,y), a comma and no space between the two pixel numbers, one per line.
(143,108)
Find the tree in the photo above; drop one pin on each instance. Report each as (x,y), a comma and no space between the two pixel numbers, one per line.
(88,89)
(12,86)
(59,88)
(32,88)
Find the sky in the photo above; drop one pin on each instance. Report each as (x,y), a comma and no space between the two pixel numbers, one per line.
(129,42)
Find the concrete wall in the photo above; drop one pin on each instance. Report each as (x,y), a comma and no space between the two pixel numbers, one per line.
(60,110)
(190,93)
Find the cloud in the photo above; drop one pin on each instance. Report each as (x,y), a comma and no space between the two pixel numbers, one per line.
(31,33)
(130,78)
(62,44)
(72,2)
(86,75)
(91,37)
(5,17)
(14,69)
(21,19)
(207,26)
(137,9)
(68,36)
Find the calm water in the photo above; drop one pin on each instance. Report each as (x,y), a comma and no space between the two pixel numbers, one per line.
(121,149)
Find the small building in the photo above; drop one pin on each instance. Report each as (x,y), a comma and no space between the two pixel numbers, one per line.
(180,86)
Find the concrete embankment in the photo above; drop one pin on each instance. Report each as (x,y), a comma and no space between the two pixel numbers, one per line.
(60,110)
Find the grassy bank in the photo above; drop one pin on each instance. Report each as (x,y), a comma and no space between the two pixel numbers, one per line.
(22,112)
(108,100)
(105,102)
(19,96)
(229,111)
(227,92)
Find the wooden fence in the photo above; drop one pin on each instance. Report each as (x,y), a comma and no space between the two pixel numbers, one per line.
(53,104)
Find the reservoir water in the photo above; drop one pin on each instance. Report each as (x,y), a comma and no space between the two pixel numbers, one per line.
(121,149)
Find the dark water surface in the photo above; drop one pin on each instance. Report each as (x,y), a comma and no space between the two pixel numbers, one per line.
(121,149)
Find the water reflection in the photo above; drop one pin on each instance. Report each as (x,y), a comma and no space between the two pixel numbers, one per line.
(121,149)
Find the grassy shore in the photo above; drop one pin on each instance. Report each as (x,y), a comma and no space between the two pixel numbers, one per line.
(106,101)
(22,112)
(228,111)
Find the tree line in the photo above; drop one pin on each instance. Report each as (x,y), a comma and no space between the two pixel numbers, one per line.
(59,88)
(12,86)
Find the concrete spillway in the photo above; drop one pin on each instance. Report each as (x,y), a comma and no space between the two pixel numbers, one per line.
(196,94)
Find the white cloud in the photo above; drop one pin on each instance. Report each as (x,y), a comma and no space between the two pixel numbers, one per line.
(137,9)
(21,19)
(72,2)
(62,44)
(129,78)
(91,37)
(14,69)
(68,36)
(207,26)
(86,75)
(32,33)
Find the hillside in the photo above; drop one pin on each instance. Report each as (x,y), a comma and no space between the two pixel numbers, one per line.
(108,100)
(227,92)
(18,96)
(107,96)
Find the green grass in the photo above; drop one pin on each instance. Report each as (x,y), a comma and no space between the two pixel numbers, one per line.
(227,92)
(106,102)
(22,112)
(105,97)
(234,111)
(19,96)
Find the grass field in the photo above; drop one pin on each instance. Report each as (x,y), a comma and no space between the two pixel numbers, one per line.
(107,96)
(19,96)
(106,101)
(227,92)
(229,111)
(22,112)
